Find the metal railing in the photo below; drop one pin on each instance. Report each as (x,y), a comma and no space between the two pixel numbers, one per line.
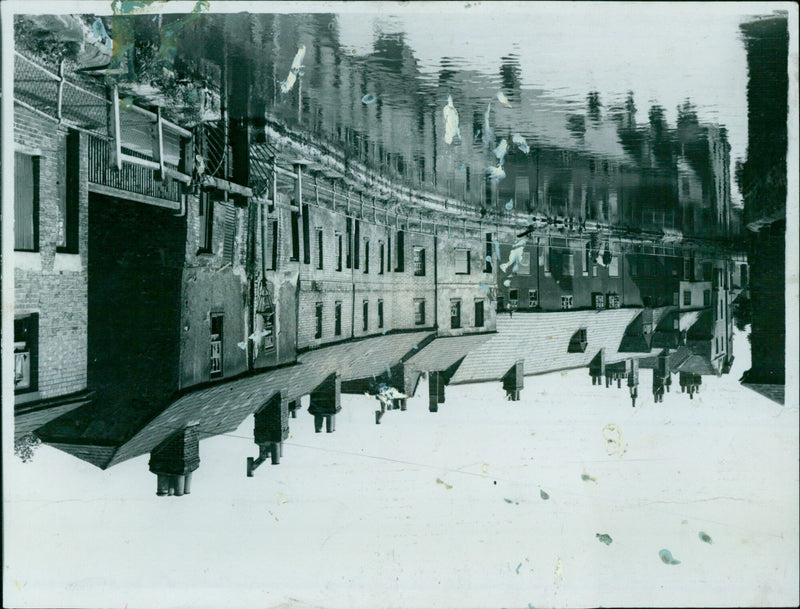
(52,95)
(131,177)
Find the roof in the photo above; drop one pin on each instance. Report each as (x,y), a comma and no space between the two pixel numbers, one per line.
(773,392)
(442,353)
(542,340)
(222,407)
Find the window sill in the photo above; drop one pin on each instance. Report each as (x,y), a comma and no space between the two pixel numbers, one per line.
(28,261)
(68,262)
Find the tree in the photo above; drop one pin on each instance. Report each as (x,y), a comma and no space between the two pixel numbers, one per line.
(26,445)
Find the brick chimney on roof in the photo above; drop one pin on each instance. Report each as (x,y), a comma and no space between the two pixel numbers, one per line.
(174,460)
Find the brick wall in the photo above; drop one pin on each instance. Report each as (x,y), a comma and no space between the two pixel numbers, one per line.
(52,284)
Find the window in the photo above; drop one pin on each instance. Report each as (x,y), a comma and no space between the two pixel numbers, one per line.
(401,252)
(524,264)
(546,256)
(337,317)
(380,313)
(295,236)
(26,203)
(349,246)
(487,266)
(462,262)
(455,313)
(318,318)
(389,253)
(338,238)
(216,345)
(206,214)
(513,298)
(69,195)
(706,298)
(568,264)
(419,261)
(533,299)
(419,312)
(687,298)
(479,313)
(613,267)
(365,315)
(356,240)
(26,347)
(381,255)
(366,256)
(274,245)
(320,251)
(306,237)
(566,302)
(229,237)
(578,342)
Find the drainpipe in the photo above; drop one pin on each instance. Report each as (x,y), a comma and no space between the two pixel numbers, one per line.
(436,279)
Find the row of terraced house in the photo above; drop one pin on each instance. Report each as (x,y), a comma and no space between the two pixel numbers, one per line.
(172,279)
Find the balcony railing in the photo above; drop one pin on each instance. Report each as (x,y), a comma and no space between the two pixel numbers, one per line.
(130,177)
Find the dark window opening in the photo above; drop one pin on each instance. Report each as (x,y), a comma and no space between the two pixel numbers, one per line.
(687,298)
(69,195)
(380,313)
(320,252)
(206,216)
(419,312)
(26,353)
(365,315)
(366,256)
(389,253)
(578,342)
(26,203)
(274,245)
(337,318)
(216,346)
(318,320)
(295,236)
(338,251)
(306,236)
(382,260)
(349,234)
(706,298)
(479,313)
(401,252)
(357,243)
(487,266)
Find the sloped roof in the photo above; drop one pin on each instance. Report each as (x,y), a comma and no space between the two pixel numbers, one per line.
(542,340)
(444,352)
(776,392)
(222,407)
(100,456)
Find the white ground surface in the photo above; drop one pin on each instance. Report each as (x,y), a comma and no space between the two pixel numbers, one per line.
(436,510)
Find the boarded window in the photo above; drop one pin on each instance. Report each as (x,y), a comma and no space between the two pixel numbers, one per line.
(26,203)
(230,232)
(462,262)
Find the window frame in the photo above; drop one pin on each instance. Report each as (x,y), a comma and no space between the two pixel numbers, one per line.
(320,248)
(455,318)
(380,313)
(460,251)
(337,318)
(317,320)
(567,299)
(419,311)
(205,217)
(220,341)
(365,316)
(687,298)
(31,347)
(35,161)
(480,313)
(71,194)
(419,261)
